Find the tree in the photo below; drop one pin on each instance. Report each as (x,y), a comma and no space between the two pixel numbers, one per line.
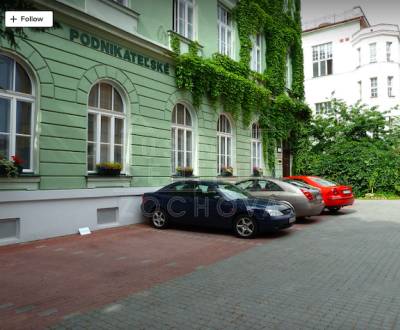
(353,145)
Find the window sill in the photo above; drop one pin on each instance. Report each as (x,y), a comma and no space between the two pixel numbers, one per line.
(101,181)
(184,42)
(22,182)
(122,8)
(184,178)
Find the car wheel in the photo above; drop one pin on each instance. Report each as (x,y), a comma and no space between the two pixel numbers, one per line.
(245,227)
(159,219)
(334,209)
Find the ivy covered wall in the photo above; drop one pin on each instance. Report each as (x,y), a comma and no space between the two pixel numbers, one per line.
(245,94)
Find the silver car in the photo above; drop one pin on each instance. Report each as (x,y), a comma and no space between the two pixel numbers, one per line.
(306,200)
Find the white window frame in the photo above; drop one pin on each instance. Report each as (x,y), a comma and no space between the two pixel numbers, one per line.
(256,147)
(187,5)
(323,108)
(14,97)
(256,53)
(225,29)
(322,55)
(99,113)
(374,87)
(372,52)
(389,51)
(175,127)
(224,135)
(289,71)
(390,86)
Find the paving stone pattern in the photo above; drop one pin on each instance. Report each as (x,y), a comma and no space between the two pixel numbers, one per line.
(341,273)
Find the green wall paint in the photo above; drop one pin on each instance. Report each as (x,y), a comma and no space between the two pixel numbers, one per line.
(65,72)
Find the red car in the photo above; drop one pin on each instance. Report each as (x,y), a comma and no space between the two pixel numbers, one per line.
(334,195)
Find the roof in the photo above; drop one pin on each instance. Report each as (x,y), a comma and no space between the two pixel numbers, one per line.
(353,15)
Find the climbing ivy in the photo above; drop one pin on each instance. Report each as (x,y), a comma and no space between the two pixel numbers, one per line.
(245,93)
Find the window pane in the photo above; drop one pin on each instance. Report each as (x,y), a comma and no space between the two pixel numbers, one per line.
(173,138)
(315,69)
(323,68)
(4,115)
(189,159)
(180,114)
(188,140)
(105,96)
(94,96)
(92,127)
(118,105)
(104,153)
(180,139)
(180,159)
(188,118)
(118,131)
(4,143)
(105,129)
(6,72)
(118,154)
(228,147)
(22,81)
(330,66)
(23,150)
(91,156)
(23,120)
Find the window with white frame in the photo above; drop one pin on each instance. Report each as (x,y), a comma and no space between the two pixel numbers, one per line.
(224,143)
(256,53)
(17,104)
(256,146)
(289,71)
(322,60)
(372,52)
(225,32)
(106,126)
(322,108)
(184,18)
(182,142)
(360,89)
(374,87)
(390,86)
(388,51)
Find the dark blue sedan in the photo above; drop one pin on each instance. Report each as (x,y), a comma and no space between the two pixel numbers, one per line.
(215,204)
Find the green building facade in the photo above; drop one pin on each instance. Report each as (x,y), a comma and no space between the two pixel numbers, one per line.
(103,88)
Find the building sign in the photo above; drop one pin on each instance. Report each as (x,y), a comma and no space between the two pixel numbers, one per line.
(117,51)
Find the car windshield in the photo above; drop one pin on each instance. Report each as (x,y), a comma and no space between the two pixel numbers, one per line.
(232,192)
(323,182)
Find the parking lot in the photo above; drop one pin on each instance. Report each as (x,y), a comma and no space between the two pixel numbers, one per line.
(337,271)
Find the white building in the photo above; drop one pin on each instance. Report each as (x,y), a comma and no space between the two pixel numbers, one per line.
(347,58)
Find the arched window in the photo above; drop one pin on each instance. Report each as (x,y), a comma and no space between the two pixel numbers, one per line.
(256,146)
(224,142)
(16,112)
(181,137)
(106,126)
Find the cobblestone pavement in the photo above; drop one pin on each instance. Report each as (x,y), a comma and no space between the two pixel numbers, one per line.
(342,272)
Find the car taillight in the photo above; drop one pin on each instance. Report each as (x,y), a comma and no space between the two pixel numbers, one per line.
(306,193)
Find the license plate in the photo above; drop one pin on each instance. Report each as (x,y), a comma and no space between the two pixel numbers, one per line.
(291,220)
(346,192)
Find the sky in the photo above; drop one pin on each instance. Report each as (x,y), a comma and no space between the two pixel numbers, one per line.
(376,11)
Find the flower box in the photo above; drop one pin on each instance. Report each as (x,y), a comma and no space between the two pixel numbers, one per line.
(108,169)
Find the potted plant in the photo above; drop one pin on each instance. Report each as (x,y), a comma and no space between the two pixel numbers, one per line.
(257,171)
(227,171)
(18,164)
(184,171)
(7,168)
(108,169)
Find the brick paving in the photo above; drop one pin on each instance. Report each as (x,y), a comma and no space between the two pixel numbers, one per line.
(44,281)
(337,272)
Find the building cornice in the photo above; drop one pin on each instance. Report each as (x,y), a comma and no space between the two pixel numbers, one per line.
(71,14)
(375,31)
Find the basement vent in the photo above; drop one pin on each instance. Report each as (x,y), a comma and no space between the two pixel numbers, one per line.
(9,229)
(107,216)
